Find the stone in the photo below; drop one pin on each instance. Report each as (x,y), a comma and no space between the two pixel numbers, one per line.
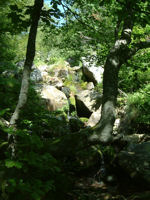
(91,71)
(87,102)
(36,75)
(20,65)
(136,161)
(134,138)
(66,91)
(40,74)
(94,118)
(76,68)
(54,98)
(55,81)
(116,126)
(43,68)
(61,71)
(90,86)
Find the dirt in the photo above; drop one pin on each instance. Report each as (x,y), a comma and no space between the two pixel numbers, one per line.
(87,188)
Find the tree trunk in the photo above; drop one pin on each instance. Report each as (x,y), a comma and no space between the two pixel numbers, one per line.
(38,4)
(117,56)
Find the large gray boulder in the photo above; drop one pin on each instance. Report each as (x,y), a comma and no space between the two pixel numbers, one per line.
(94,118)
(54,98)
(87,102)
(91,71)
(136,161)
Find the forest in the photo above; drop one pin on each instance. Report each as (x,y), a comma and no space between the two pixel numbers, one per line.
(75,100)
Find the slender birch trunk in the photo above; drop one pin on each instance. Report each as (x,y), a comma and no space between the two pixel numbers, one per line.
(38,4)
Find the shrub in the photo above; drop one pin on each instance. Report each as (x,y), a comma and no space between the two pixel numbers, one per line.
(140,100)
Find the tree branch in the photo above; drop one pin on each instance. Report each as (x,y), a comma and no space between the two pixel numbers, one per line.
(76,16)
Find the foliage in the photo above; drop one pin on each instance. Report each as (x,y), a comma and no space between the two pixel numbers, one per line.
(33,173)
(42,122)
(9,90)
(140,101)
(136,73)
(84,119)
(98,88)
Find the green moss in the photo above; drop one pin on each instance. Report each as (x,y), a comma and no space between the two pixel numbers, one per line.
(69,82)
(99,87)
(83,119)
(83,85)
(38,62)
(72,100)
(59,65)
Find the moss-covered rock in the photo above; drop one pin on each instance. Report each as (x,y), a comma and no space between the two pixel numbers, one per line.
(136,161)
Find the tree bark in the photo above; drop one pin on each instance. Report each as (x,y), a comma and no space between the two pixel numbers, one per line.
(117,56)
(38,4)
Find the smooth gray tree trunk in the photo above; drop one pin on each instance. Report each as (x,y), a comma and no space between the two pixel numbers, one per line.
(38,4)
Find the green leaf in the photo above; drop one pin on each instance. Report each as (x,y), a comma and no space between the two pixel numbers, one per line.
(13,182)
(2,112)
(3,144)
(11,163)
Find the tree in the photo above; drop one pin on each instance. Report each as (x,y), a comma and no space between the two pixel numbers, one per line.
(38,4)
(118,55)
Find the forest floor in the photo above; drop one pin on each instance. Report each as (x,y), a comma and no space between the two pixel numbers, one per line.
(87,188)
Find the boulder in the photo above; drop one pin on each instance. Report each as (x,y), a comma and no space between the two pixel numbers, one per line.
(90,86)
(66,91)
(40,74)
(36,75)
(76,68)
(134,138)
(91,71)
(55,81)
(20,64)
(60,70)
(136,161)
(43,68)
(54,98)
(62,73)
(87,102)
(94,118)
